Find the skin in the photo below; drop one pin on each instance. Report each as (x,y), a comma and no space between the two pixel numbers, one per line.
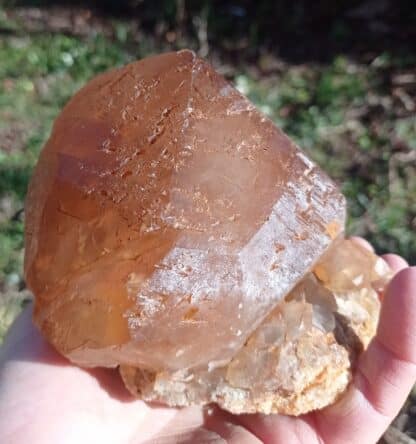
(44,399)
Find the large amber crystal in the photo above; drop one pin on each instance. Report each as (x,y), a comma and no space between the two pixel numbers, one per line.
(174,231)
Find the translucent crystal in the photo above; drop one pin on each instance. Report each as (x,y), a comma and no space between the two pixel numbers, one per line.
(360,268)
(167,220)
(164,198)
(300,357)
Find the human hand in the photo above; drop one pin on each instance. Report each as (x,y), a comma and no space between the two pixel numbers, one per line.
(44,399)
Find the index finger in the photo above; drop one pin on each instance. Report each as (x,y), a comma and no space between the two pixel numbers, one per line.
(386,371)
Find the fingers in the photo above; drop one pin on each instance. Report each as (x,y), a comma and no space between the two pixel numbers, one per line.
(272,429)
(228,428)
(386,371)
(24,342)
(396,330)
(358,417)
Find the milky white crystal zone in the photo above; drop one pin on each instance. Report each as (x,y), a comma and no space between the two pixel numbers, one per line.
(302,355)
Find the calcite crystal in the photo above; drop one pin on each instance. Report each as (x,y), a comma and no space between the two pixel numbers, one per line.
(300,358)
(174,231)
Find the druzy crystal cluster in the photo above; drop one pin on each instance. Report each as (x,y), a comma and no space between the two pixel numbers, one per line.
(173,231)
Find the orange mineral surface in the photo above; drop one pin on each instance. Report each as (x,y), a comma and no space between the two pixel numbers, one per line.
(174,231)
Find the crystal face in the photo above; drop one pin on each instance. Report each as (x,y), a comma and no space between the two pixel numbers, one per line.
(167,218)
(301,356)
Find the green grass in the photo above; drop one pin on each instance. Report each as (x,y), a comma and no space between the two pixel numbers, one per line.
(344,114)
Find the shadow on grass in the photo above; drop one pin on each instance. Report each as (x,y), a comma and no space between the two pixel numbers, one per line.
(14,179)
(299,31)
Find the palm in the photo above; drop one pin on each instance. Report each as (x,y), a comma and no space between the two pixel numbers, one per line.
(44,399)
